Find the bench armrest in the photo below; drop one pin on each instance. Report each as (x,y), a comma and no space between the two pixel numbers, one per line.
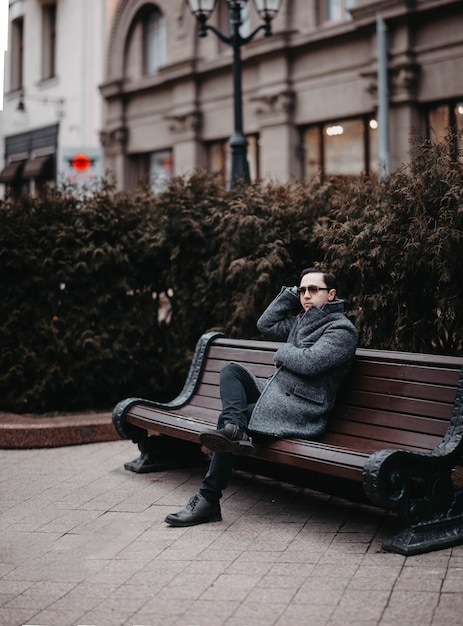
(128,431)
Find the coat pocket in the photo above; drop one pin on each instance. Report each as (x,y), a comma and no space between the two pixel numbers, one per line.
(307,392)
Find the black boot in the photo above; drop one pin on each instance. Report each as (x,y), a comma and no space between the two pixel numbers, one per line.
(230,438)
(197,511)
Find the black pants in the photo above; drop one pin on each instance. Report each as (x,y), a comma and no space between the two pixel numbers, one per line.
(239,393)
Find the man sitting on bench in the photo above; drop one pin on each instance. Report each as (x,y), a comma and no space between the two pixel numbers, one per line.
(295,401)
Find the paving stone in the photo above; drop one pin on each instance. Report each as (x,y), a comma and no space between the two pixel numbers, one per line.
(356,607)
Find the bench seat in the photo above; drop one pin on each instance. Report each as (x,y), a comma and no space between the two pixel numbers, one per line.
(396,429)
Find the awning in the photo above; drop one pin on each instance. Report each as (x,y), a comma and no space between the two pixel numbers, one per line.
(12,173)
(40,167)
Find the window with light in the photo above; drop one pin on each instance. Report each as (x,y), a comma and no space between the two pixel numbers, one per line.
(341,148)
(444,118)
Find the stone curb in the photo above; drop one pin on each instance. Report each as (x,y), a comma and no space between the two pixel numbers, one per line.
(20,431)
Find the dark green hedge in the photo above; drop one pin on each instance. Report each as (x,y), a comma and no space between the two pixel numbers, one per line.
(85,280)
(76,315)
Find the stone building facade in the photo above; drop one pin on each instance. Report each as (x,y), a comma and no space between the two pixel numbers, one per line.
(129,84)
(52,109)
(311,97)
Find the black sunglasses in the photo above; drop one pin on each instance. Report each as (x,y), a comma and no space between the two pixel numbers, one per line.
(312,289)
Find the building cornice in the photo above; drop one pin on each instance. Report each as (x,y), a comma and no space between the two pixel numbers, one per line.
(366,10)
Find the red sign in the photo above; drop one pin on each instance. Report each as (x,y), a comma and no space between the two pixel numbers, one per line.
(81,162)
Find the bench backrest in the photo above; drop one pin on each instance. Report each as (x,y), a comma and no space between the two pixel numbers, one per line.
(390,399)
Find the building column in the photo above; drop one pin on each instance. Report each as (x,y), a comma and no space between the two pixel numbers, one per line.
(278,136)
(188,150)
(114,143)
(405,118)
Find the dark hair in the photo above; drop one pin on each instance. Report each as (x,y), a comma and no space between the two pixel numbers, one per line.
(330,279)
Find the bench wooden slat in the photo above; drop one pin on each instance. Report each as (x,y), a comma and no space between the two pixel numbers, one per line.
(206,414)
(381,437)
(258,369)
(261,371)
(406,388)
(314,457)
(424,373)
(412,406)
(438,361)
(205,403)
(394,421)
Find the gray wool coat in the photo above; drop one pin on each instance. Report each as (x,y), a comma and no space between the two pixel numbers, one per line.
(320,345)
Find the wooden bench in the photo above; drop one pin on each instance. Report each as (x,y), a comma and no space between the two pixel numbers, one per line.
(396,433)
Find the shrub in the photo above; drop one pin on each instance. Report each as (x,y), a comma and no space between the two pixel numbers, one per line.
(76,320)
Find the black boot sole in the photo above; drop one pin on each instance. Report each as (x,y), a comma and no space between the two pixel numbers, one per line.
(175,521)
(220,443)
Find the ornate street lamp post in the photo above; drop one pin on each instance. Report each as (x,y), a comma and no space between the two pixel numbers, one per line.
(267,9)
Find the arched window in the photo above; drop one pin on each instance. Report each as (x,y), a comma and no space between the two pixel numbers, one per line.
(154,41)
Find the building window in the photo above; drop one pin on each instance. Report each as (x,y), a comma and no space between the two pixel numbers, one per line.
(48,41)
(154,169)
(341,148)
(17,54)
(160,169)
(219,158)
(31,160)
(443,118)
(154,41)
(335,10)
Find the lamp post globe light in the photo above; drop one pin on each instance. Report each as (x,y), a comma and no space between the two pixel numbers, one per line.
(267,10)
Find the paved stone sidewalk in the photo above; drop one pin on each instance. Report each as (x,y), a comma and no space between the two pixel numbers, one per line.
(82,541)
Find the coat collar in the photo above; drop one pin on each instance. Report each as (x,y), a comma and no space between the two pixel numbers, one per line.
(329,308)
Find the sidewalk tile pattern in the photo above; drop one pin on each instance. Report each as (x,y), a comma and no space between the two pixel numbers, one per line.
(83,542)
